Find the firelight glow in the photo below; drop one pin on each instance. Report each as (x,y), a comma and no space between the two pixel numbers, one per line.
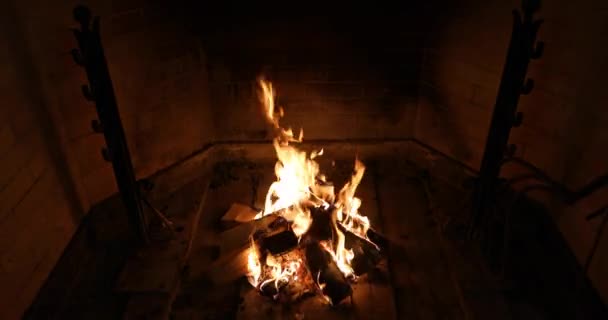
(299,187)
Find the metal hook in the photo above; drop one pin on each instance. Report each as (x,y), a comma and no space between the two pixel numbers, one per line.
(82,15)
(77,57)
(517,120)
(96,125)
(105,154)
(86,92)
(538,50)
(528,86)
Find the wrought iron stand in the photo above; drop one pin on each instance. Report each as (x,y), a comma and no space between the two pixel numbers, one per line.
(522,48)
(90,55)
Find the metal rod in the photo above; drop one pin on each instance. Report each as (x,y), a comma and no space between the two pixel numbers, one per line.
(90,55)
(513,83)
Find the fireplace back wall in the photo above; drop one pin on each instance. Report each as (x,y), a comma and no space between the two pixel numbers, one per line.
(338,76)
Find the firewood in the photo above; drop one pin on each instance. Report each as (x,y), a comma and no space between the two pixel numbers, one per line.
(234,246)
(324,269)
(238,237)
(381,240)
(277,243)
(321,227)
(238,213)
(367,255)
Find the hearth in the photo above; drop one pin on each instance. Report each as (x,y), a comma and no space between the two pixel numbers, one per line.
(428,160)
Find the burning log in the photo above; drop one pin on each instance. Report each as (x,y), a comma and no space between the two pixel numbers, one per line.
(332,230)
(333,283)
(239,237)
(379,239)
(366,254)
(321,227)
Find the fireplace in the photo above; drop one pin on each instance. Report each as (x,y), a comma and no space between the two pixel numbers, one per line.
(204,161)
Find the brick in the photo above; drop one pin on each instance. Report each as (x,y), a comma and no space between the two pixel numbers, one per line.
(7,139)
(20,186)
(18,157)
(46,216)
(335,91)
(87,149)
(463,140)
(126,21)
(100,184)
(451,71)
(589,164)
(544,151)
(454,113)
(546,112)
(23,119)
(288,91)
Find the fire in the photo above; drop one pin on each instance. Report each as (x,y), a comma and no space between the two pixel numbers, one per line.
(253,265)
(299,187)
(280,272)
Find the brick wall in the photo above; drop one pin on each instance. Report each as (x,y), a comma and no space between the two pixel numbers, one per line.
(562,132)
(38,210)
(51,169)
(337,79)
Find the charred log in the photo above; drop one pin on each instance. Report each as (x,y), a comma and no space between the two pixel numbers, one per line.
(321,227)
(322,267)
(278,243)
(367,255)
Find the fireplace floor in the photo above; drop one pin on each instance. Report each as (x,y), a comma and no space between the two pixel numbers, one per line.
(430,273)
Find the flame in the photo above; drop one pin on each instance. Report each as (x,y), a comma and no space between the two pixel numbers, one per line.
(300,186)
(296,172)
(280,272)
(254,266)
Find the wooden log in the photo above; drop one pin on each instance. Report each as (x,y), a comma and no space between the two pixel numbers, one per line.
(321,227)
(367,255)
(238,213)
(278,243)
(322,266)
(381,240)
(238,237)
(234,246)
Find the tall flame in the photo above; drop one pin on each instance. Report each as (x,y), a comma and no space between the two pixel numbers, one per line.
(299,186)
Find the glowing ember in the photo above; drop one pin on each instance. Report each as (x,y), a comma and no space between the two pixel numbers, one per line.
(300,187)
